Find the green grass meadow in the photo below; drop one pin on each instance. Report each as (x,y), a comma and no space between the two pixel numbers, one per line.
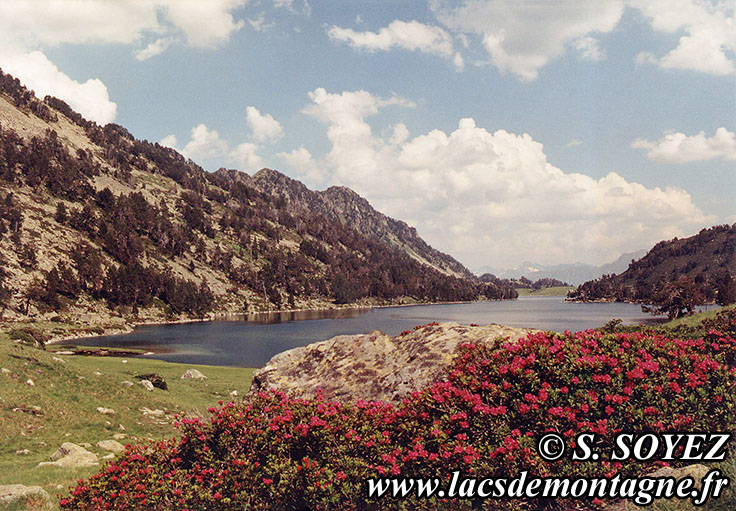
(547,291)
(61,405)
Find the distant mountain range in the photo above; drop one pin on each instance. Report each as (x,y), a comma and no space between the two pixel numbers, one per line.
(572,273)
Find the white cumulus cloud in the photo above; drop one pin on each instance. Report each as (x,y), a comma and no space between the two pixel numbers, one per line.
(264,127)
(157,47)
(27,28)
(204,144)
(246,156)
(301,161)
(204,24)
(54,22)
(491,197)
(209,149)
(524,37)
(38,73)
(708,29)
(408,35)
(675,147)
(169,141)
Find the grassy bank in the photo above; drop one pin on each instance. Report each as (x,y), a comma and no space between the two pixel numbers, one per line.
(695,320)
(693,326)
(547,291)
(60,406)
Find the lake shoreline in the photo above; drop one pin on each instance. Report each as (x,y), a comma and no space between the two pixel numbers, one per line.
(128,328)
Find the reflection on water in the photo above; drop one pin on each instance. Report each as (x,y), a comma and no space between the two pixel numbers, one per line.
(251,341)
(269,318)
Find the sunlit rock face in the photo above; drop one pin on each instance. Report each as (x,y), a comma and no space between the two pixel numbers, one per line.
(374,366)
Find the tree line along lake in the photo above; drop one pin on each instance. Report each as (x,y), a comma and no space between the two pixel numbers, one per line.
(251,341)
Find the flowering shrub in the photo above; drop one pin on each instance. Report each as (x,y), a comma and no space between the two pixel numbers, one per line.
(723,323)
(275,452)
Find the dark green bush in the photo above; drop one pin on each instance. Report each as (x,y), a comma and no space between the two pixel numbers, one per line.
(156,379)
(28,336)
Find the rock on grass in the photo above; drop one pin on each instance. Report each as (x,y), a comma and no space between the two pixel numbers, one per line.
(111,445)
(71,455)
(18,496)
(193,374)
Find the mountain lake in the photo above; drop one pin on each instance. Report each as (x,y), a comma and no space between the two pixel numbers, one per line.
(250,341)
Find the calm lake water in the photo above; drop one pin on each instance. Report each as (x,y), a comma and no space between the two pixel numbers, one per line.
(252,342)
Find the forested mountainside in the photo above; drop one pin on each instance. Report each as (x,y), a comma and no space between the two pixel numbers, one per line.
(675,274)
(93,221)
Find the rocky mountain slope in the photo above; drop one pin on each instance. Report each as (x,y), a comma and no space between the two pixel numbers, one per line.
(343,205)
(97,224)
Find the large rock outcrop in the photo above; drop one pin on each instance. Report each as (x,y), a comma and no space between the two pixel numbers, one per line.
(374,366)
(18,496)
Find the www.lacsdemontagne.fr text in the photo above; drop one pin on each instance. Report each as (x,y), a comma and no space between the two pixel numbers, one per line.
(641,490)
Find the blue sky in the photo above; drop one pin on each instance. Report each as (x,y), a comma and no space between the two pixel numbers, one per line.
(504,131)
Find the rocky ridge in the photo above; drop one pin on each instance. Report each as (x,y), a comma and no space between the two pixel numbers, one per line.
(343,205)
